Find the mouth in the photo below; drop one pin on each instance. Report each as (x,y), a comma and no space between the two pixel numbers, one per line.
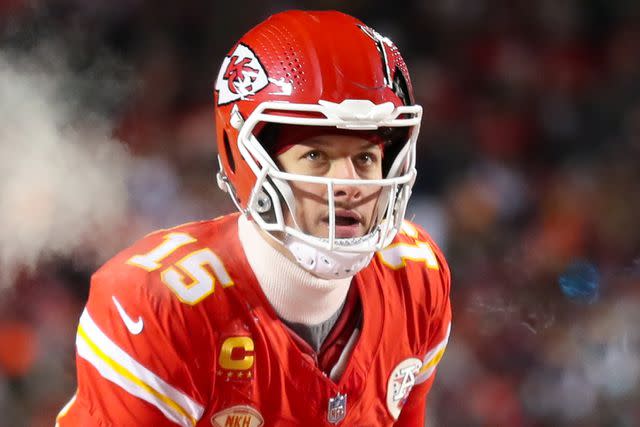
(348,224)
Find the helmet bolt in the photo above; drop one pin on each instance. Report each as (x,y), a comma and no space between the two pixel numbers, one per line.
(263,202)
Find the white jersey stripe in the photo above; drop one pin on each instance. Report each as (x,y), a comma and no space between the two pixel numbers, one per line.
(116,365)
(114,372)
(432,358)
(66,408)
(193,408)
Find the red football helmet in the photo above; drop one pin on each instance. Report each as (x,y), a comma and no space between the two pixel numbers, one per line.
(315,69)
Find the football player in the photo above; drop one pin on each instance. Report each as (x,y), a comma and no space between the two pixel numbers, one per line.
(317,304)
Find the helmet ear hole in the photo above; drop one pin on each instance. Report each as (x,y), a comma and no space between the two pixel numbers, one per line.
(227,151)
(395,141)
(268,136)
(401,87)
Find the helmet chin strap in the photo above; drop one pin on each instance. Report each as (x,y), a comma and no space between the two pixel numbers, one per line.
(329,264)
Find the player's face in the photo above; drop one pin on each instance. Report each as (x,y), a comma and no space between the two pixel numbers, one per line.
(334,156)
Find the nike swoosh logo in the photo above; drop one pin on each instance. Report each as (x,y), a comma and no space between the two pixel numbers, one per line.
(134,327)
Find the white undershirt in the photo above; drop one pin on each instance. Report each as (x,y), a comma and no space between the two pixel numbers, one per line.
(295,294)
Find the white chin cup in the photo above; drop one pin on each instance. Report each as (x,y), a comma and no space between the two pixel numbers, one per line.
(325,263)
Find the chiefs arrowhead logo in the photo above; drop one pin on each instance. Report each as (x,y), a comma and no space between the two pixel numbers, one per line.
(241,76)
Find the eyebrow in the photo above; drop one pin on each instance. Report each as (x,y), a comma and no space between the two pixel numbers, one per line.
(364,144)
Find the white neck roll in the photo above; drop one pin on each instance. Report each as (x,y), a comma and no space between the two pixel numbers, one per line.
(295,294)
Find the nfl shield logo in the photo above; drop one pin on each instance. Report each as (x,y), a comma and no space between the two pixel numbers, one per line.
(337,408)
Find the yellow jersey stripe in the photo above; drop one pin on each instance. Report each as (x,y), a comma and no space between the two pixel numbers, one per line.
(432,358)
(122,371)
(114,352)
(433,362)
(112,362)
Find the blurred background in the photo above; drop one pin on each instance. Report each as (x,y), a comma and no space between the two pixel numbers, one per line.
(529,179)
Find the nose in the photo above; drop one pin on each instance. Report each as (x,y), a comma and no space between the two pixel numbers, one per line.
(344,168)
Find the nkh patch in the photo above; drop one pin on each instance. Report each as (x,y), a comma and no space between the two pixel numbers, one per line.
(401,381)
(241,76)
(238,416)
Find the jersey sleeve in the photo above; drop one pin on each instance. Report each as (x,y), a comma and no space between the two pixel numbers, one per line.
(134,361)
(438,281)
(440,325)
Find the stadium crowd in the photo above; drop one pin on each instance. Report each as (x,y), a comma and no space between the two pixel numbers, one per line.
(529,174)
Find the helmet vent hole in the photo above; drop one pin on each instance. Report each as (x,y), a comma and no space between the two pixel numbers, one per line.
(228,153)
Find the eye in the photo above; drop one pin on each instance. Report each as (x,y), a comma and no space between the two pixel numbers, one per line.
(367,158)
(314,156)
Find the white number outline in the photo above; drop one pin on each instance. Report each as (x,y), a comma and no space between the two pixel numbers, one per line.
(396,255)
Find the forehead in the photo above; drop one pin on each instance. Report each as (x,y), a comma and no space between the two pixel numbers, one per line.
(337,142)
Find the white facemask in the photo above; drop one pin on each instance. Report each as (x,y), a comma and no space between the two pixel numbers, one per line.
(330,257)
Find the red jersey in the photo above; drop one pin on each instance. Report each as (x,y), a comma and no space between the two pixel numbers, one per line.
(177,331)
